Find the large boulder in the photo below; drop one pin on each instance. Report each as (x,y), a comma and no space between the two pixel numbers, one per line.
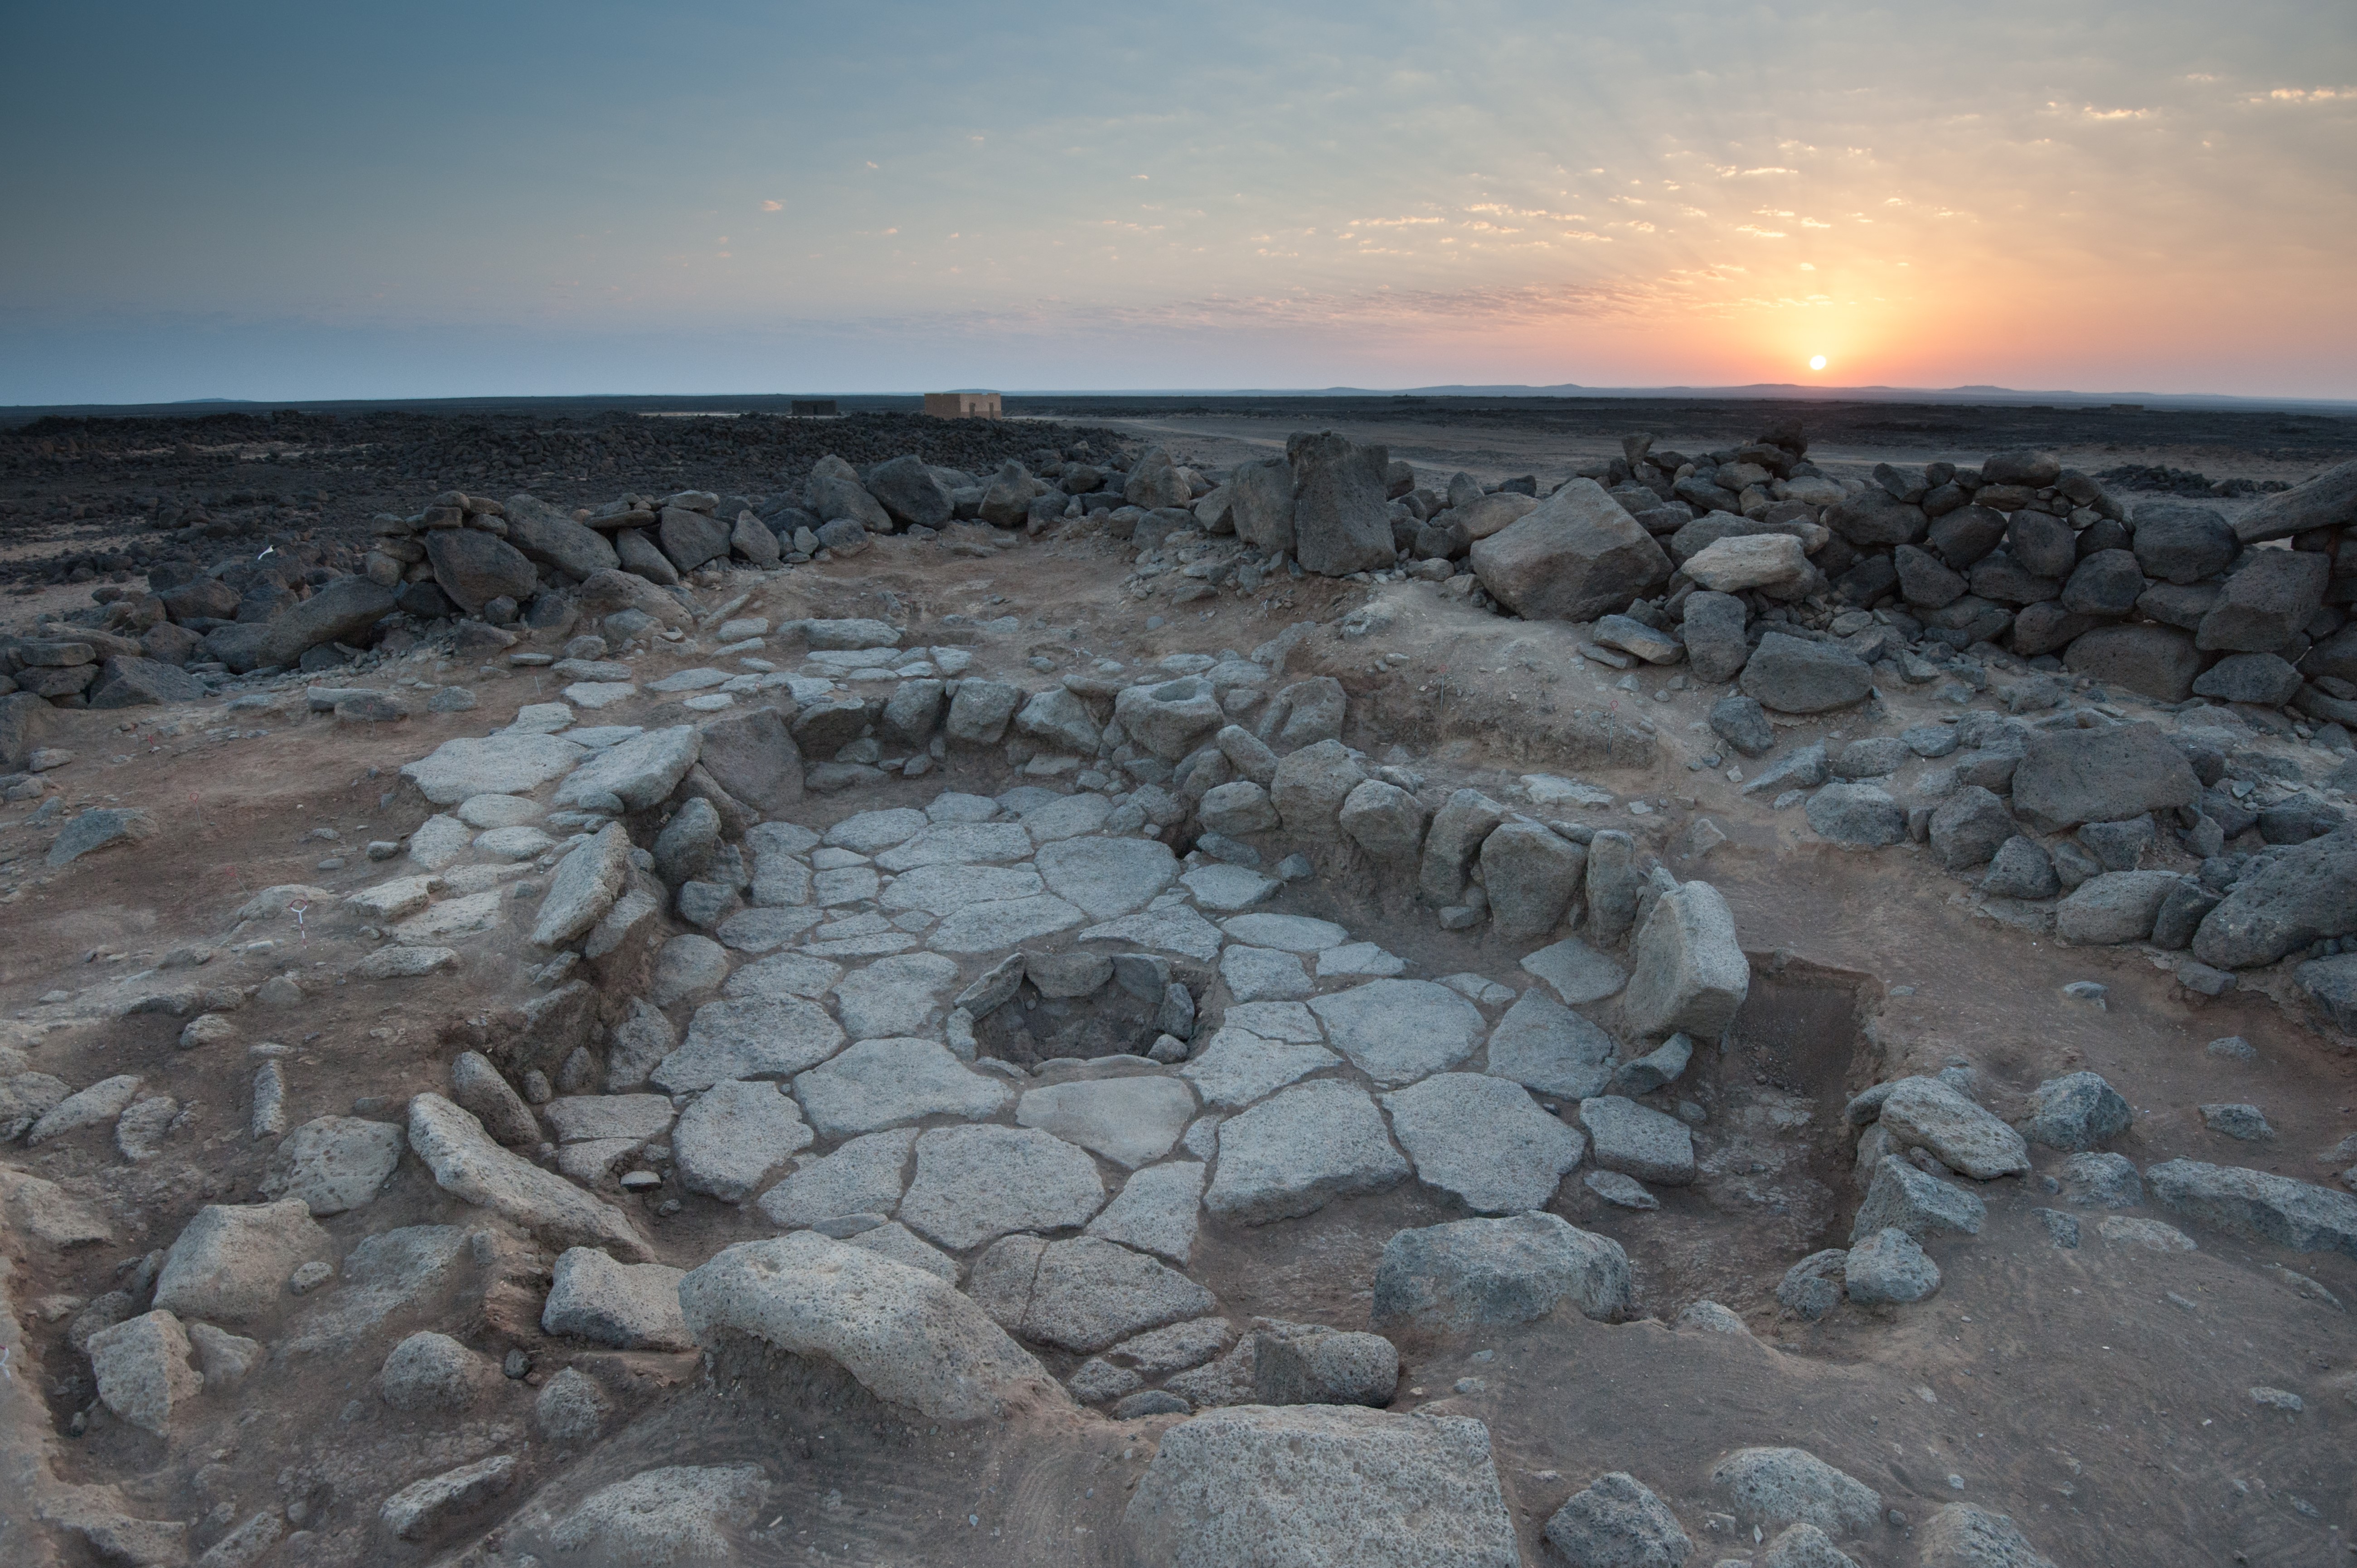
(1794,675)
(1475,1273)
(230,1264)
(552,538)
(1320,1487)
(1341,521)
(2114,907)
(1688,974)
(910,492)
(2258,1206)
(2069,777)
(2328,500)
(341,611)
(908,1336)
(1875,515)
(1261,503)
(128,680)
(2177,543)
(1578,556)
(2298,895)
(2266,603)
(474,568)
(754,758)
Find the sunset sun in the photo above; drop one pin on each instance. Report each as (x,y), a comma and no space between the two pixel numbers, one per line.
(1816,362)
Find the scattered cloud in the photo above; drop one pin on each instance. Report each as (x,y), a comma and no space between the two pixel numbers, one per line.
(773,207)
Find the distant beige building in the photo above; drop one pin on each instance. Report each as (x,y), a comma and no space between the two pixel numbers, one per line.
(963,405)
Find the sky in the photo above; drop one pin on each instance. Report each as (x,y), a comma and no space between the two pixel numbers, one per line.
(506,197)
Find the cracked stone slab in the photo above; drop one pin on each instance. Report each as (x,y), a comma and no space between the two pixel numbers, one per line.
(1540,1044)
(1005,923)
(942,890)
(1299,1150)
(1239,1067)
(1129,1120)
(894,996)
(863,1176)
(754,1037)
(1107,877)
(1396,1031)
(1578,973)
(1156,1212)
(1482,1140)
(1176,929)
(875,1083)
(957,843)
(974,1185)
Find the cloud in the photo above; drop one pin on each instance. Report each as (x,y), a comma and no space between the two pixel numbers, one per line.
(773,207)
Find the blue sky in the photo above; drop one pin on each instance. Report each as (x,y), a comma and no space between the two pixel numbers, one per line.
(268,201)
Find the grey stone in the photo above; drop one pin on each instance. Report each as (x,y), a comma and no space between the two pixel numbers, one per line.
(1888,1268)
(2244,1122)
(468,1165)
(1532,875)
(906,1335)
(333,1164)
(1320,1487)
(1543,1045)
(629,1306)
(1743,724)
(100,828)
(142,1370)
(1129,1120)
(1620,1191)
(571,1408)
(2115,906)
(1310,1363)
(679,1513)
(1155,1211)
(1969,827)
(2266,603)
(231,1263)
(1170,718)
(1580,554)
(483,1093)
(1396,1031)
(1238,1067)
(896,1242)
(99,1103)
(1340,522)
(974,1185)
(2297,895)
(587,881)
(863,1176)
(1617,1522)
(638,772)
(2263,679)
(1802,770)
(1773,1489)
(1060,721)
(875,1083)
(2077,1111)
(2119,846)
(1655,1070)
(1482,1140)
(1876,757)
(1302,1148)
(1713,625)
(2069,777)
(1576,972)
(1105,878)
(1908,1199)
(1794,676)
(1490,1272)
(1086,1293)
(1454,840)
(430,1372)
(2101,1180)
(1856,816)
(420,1508)
(954,843)
(2020,869)
(1311,785)
(750,1036)
(897,995)
(1962,1535)
(1688,972)
(1923,1112)
(1812,1287)
(980,712)
(1639,1141)
(734,1135)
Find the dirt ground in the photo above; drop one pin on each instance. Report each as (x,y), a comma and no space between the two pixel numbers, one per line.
(2100,1396)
